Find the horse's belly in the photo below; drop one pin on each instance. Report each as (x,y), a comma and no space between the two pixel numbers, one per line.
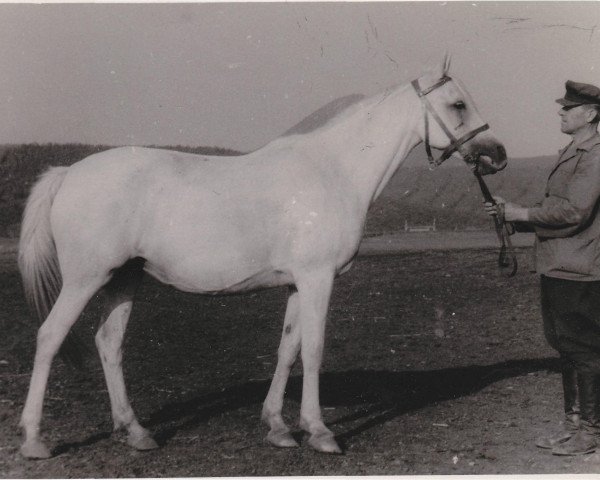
(209,279)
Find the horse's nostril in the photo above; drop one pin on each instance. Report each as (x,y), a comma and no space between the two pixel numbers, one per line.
(501,151)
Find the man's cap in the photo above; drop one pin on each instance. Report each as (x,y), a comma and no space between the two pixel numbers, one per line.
(579,94)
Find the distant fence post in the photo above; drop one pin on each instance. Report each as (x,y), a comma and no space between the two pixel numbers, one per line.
(419,228)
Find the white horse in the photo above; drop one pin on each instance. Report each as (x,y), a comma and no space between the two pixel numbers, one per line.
(291,213)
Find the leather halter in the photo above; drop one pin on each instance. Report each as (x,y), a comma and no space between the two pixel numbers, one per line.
(507,261)
(456,144)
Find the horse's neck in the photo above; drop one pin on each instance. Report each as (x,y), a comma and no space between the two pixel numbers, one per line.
(377,138)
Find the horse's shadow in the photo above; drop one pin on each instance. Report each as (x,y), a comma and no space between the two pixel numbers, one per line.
(381,395)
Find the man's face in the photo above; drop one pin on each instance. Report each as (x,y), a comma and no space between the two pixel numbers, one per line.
(573,119)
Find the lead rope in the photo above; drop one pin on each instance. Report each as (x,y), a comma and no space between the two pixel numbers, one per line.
(507,261)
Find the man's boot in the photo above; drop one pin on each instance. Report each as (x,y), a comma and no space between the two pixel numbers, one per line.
(587,439)
(570,425)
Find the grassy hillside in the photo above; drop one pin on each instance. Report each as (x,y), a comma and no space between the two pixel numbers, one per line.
(415,194)
(452,196)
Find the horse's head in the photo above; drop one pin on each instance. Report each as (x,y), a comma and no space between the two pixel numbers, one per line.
(452,123)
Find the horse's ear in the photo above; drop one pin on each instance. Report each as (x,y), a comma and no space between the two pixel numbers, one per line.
(440,70)
(446,63)
(437,71)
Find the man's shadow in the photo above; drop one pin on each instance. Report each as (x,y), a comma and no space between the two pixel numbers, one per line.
(382,395)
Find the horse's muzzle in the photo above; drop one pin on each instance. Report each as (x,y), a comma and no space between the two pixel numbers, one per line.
(491,160)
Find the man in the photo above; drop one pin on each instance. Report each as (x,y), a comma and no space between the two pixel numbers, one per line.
(567,255)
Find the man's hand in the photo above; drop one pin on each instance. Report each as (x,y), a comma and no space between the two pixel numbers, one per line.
(512,212)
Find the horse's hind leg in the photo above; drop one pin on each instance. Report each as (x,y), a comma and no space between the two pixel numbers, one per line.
(279,434)
(118,301)
(65,312)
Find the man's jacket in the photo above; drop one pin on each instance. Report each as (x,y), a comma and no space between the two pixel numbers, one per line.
(567,221)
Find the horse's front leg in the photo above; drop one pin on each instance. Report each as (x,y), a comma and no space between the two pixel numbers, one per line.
(314,291)
(279,433)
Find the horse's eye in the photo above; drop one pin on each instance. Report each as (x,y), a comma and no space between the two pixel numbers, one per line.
(460,105)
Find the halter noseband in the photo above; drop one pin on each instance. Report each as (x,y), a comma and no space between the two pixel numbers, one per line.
(456,144)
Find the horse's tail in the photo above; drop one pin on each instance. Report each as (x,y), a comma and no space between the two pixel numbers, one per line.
(38,260)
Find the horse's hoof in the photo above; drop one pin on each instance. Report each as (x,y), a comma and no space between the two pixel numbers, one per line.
(324,443)
(35,449)
(281,439)
(142,443)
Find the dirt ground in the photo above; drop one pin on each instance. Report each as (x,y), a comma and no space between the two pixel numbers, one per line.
(434,364)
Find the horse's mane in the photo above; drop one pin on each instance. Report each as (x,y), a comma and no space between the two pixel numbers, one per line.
(324,115)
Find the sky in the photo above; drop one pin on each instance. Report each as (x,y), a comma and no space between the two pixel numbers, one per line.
(238,75)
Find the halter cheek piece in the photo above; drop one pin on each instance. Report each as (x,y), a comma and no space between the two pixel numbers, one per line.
(456,144)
